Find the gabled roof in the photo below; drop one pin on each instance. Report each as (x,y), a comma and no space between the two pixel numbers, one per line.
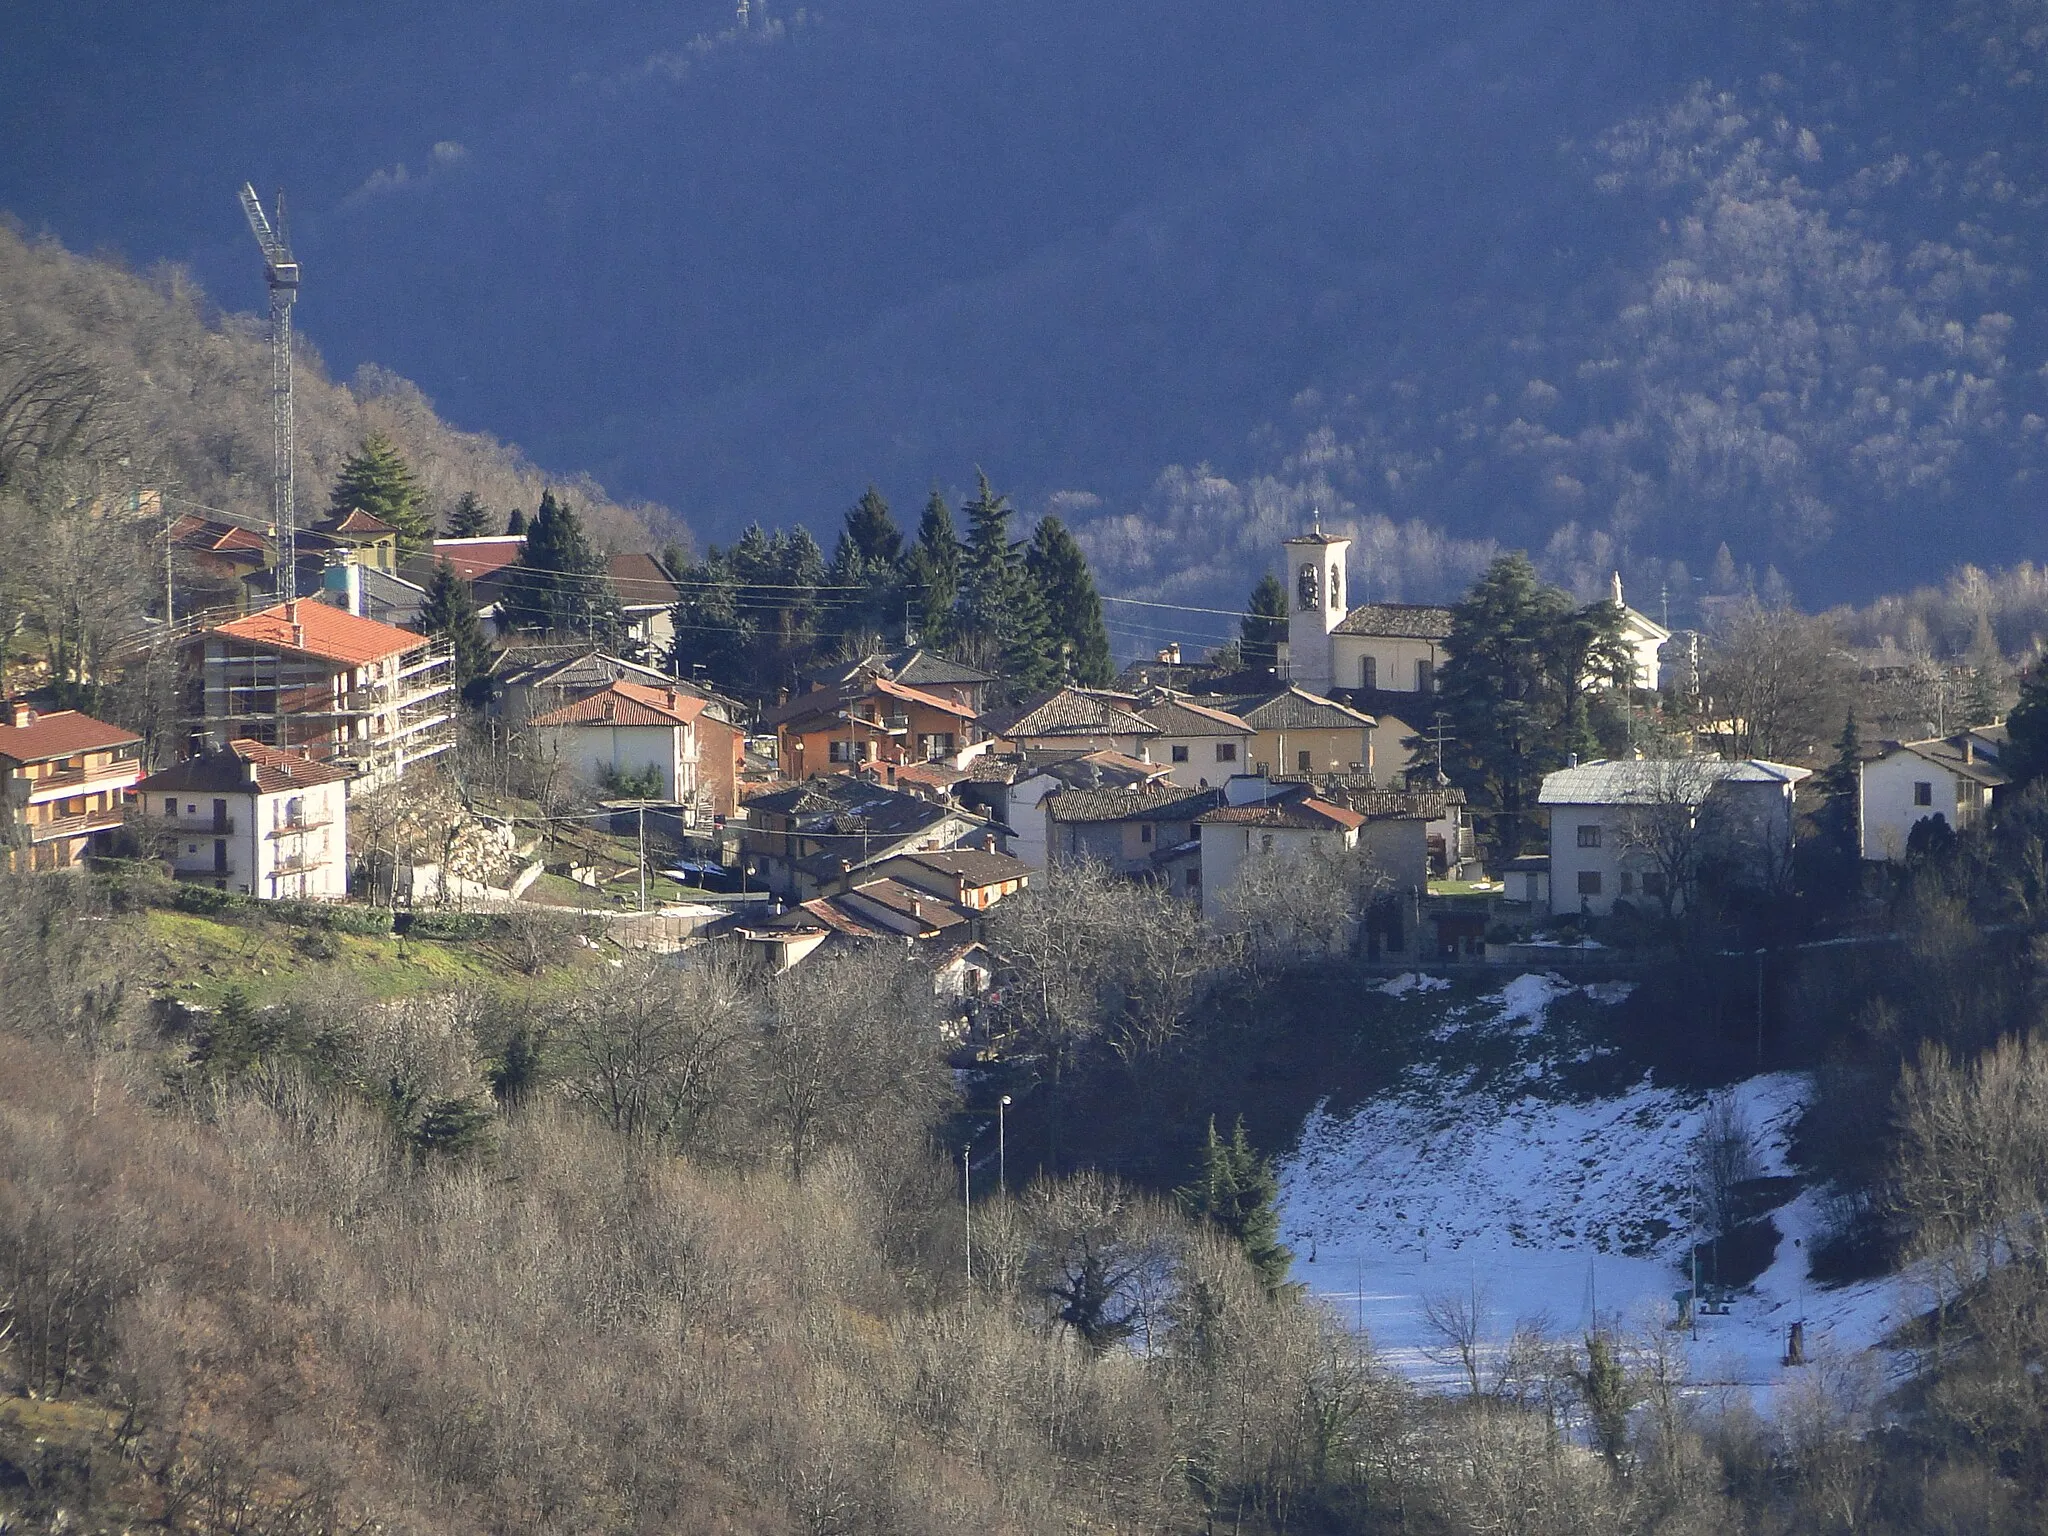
(842,806)
(60,734)
(1068,712)
(1142,802)
(935,913)
(833,699)
(1174,716)
(1946,752)
(641,582)
(1657,781)
(1294,708)
(1304,813)
(624,703)
(244,766)
(920,668)
(315,629)
(221,538)
(355,523)
(1398,621)
(480,556)
(979,865)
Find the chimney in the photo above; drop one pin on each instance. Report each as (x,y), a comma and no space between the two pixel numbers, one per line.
(19,713)
(988,842)
(1572,761)
(1969,748)
(917,909)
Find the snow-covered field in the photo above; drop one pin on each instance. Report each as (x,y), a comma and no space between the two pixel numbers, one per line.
(1496,1184)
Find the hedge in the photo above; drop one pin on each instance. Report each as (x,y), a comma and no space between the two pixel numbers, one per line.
(452,926)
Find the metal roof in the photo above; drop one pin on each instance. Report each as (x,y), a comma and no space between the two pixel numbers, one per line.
(1653,781)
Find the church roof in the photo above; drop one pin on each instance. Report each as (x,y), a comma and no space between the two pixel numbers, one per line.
(1398,621)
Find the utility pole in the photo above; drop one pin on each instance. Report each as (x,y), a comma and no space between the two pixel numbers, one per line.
(1002,1146)
(643,855)
(967,1209)
(281,274)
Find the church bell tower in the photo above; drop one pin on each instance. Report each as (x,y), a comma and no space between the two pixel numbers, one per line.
(1316,577)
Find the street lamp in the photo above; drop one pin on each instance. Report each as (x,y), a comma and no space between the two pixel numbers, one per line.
(967,1210)
(1002,1148)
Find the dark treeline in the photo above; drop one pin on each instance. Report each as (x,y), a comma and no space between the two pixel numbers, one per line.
(759,612)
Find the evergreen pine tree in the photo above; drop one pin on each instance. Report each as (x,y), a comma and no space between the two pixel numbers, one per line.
(1058,568)
(560,586)
(1264,626)
(1000,614)
(1980,704)
(1839,784)
(867,570)
(2026,749)
(468,518)
(1497,691)
(934,571)
(377,481)
(515,524)
(1237,1190)
(450,612)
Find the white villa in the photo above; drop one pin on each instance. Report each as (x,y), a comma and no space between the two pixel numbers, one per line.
(258,820)
(1623,830)
(1952,777)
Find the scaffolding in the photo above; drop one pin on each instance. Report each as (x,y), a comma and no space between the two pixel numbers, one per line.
(373,721)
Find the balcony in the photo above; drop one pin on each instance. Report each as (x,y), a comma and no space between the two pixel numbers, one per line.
(35,788)
(221,826)
(74,826)
(300,827)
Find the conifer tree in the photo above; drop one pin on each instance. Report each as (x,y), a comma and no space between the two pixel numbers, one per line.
(867,569)
(1264,626)
(1055,563)
(450,613)
(2026,749)
(560,585)
(1980,704)
(515,524)
(376,480)
(469,518)
(1237,1190)
(1000,612)
(934,570)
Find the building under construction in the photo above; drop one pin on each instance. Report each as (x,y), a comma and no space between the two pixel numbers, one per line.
(368,698)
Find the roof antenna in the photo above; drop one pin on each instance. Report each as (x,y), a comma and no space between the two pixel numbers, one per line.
(1317,514)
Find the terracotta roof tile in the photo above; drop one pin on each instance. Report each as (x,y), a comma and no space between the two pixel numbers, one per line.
(60,734)
(623,703)
(316,629)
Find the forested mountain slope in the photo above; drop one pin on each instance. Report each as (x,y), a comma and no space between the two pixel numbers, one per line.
(1617,282)
(181,393)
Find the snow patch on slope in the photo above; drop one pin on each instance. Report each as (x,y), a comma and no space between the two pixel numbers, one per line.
(1549,1208)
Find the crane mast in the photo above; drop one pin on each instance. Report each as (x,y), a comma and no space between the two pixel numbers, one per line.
(281,274)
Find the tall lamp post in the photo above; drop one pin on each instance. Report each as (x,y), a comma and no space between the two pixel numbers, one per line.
(967,1210)
(1002,1147)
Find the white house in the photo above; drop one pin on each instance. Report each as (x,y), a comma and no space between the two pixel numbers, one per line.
(1639,831)
(1198,744)
(1952,777)
(1290,829)
(629,731)
(255,819)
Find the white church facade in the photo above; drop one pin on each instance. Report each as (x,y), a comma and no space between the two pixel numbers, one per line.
(1396,648)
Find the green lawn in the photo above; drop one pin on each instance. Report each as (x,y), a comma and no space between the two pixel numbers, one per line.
(199,958)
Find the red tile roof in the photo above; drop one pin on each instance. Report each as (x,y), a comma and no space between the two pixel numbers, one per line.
(640,581)
(1306,813)
(60,734)
(316,629)
(625,703)
(919,696)
(356,521)
(479,557)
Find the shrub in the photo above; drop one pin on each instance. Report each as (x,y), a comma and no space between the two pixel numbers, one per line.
(451,926)
(208,902)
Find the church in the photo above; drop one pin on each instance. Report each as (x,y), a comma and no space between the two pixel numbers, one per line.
(1392,648)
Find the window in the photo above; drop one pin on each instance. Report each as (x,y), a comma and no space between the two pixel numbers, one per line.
(1226,751)
(1628,883)
(1589,835)
(1425,677)
(170,807)
(1589,882)
(1923,793)
(1180,754)
(1303,761)
(1369,672)
(1145,832)
(1265,842)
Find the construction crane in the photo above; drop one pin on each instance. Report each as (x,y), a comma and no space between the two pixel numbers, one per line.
(281,272)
